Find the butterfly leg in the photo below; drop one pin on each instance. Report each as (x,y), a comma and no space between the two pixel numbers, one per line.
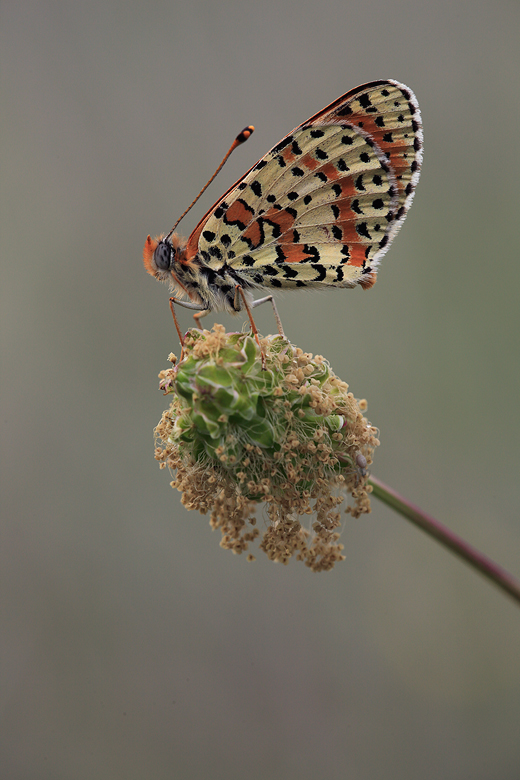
(239,294)
(270,299)
(201,313)
(172,309)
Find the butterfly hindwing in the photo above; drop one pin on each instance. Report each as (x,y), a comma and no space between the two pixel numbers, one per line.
(323,205)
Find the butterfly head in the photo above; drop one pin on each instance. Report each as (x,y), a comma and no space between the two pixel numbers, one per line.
(164,258)
(162,255)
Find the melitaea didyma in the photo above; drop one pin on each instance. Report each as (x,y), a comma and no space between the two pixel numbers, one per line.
(319,210)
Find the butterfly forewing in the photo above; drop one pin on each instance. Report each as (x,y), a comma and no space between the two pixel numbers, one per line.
(324,204)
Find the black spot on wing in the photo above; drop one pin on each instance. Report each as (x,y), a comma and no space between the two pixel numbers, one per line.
(282,145)
(289,271)
(214,251)
(311,250)
(362,230)
(280,254)
(321,272)
(260,164)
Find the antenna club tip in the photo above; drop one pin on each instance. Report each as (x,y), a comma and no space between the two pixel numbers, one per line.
(244,135)
(241,137)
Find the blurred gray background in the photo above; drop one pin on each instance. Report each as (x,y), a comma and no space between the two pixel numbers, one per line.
(132,645)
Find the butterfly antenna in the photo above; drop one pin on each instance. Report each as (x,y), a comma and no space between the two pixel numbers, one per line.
(241,137)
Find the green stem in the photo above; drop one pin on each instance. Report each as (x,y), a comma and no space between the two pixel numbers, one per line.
(484,565)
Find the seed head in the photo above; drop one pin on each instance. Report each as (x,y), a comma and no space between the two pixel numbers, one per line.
(291,437)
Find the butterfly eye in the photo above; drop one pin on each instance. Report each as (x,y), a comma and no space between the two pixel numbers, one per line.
(163,256)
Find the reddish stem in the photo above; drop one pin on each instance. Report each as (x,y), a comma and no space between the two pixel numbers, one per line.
(484,565)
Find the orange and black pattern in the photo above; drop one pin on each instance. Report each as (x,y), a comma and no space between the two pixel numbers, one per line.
(321,208)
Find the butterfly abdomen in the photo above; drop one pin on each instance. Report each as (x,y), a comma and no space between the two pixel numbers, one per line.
(216,286)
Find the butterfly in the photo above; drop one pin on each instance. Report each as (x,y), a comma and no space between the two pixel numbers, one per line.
(320,209)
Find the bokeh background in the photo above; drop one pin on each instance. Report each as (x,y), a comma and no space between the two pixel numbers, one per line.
(132,645)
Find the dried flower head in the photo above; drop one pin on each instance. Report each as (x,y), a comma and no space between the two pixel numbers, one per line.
(291,437)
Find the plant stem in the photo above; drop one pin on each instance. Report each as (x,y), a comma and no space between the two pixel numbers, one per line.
(484,565)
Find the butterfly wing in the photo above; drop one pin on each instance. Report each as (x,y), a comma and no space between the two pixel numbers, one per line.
(322,207)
